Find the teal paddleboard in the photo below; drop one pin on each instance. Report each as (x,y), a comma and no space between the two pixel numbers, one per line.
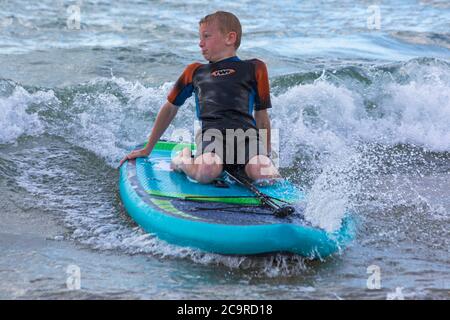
(223,217)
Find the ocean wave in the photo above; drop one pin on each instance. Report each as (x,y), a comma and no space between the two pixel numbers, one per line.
(424,38)
(15,118)
(405,103)
(345,130)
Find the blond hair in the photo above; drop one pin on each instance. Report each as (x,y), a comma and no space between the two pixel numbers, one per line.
(227,22)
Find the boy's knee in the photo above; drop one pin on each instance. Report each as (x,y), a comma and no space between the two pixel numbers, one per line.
(260,167)
(209,167)
(206,173)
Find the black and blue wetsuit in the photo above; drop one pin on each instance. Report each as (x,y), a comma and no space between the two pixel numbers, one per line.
(226,93)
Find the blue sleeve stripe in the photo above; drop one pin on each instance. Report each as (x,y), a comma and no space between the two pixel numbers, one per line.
(197,106)
(184,94)
(251,103)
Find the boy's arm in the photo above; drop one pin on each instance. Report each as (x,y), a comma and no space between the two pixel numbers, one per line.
(163,120)
(263,122)
(262,102)
(182,90)
(165,116)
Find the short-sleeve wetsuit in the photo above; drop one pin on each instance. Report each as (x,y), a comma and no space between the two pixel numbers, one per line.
(226,94)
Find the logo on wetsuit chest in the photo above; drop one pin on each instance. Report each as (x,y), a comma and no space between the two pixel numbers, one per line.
(222,72)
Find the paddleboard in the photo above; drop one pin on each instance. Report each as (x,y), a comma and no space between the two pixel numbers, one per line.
(222,217)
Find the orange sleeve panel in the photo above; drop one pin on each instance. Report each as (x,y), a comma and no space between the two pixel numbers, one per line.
(262,86)
(183,88)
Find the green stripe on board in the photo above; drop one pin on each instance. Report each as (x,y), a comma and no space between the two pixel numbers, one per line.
(167,206)
(169,145)
(195,197)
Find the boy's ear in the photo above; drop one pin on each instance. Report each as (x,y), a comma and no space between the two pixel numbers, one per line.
(231,37)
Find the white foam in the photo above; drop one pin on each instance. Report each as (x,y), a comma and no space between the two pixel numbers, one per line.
(418,114)
(109,126)
(331,120)
(15,120)
(95,221)
(108,116)
(332,192)
(327,117)
(320,115)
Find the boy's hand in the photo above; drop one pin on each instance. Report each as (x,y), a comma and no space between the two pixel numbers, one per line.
(141,153)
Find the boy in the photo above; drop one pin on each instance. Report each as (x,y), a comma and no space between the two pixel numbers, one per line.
(227,90)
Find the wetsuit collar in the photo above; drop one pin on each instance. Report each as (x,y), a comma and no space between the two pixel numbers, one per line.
(233,58)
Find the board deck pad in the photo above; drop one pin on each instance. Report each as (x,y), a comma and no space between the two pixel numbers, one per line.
(233,204)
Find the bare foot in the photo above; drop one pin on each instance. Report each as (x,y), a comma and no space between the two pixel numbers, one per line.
(266,182)
(181,158)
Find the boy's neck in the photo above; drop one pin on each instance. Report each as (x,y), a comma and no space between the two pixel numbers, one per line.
(225,56)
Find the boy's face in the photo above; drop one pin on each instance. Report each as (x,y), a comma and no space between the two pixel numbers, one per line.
(215,44)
